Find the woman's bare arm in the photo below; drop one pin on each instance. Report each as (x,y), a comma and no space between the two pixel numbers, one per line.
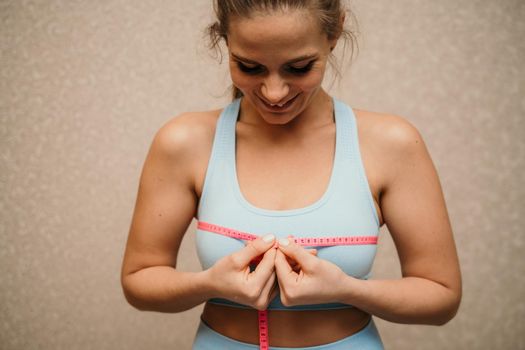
(415,213)
(166,203)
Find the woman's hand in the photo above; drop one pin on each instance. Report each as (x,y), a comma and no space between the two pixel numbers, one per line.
(308,280)
(294,264)
(234,280)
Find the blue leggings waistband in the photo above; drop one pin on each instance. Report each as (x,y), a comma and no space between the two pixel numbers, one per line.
(366,339)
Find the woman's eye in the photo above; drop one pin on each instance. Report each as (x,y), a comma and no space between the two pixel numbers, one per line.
(301,70)
(249,69)
(256,69)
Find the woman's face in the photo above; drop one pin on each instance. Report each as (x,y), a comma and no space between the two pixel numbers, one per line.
(278,61)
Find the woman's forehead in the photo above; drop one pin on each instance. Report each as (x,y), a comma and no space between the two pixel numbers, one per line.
(293,30)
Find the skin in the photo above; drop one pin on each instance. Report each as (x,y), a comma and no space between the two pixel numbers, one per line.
(402,178)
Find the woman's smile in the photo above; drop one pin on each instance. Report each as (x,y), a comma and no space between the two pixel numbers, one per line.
(279,108)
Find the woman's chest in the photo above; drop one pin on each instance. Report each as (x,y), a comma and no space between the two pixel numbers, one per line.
(288,175)
(284,177)
(293,182)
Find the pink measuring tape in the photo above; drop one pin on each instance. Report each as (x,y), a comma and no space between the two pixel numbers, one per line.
(303,241)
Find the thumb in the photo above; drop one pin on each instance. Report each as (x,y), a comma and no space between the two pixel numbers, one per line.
(255,248)
(303,257)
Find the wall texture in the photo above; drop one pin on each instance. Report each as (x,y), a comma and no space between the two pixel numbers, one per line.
(84,85)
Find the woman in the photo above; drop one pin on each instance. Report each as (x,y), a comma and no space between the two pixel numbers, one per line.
(280,168)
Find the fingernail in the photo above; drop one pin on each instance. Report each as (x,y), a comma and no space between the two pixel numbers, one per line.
(284,241)
(268,238)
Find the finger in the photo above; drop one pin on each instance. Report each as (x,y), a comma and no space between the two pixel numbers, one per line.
(293,262)
(269,286)
(266,267)
(254,248)
(296,252)
(282,268)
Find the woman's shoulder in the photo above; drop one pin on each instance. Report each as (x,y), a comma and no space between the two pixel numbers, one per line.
(390,145)
(389,132)
(184,144)
(188,131)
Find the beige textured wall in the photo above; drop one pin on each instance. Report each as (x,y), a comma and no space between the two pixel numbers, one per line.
(84,85)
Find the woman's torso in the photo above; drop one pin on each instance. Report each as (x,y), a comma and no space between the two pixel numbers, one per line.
(260,177)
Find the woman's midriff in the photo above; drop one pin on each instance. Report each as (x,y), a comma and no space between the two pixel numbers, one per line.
(286,328)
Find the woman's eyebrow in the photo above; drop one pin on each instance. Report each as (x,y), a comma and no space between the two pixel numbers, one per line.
(297,59)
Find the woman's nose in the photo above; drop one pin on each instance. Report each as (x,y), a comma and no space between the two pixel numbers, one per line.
(274,89)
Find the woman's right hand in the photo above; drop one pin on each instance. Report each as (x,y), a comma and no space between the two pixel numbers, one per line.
(233,279)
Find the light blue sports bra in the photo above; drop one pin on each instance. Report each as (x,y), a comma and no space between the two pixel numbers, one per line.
(345,209)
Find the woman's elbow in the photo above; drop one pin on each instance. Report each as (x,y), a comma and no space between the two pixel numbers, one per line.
(130,294)
(135,302)
(451,308)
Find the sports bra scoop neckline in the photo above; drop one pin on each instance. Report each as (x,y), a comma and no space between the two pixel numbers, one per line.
(292,211)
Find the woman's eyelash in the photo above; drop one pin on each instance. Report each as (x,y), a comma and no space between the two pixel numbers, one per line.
(250,70)
(258,68)
(301,70)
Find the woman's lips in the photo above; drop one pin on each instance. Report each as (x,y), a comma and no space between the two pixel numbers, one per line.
(276,108)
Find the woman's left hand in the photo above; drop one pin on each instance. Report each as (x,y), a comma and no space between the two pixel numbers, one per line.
(317,280)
